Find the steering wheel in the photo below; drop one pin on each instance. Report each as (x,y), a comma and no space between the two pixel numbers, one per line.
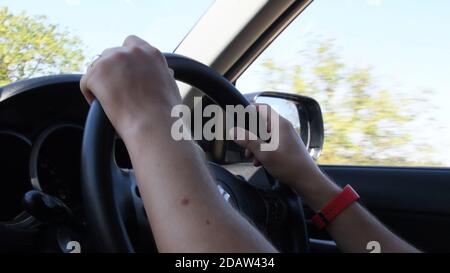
(115,214)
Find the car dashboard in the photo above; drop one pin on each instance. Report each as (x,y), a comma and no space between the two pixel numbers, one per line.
(41,132)
(41,202)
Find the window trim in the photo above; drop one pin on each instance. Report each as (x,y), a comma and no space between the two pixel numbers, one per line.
(266,39)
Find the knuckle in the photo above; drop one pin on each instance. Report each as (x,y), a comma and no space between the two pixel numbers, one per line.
(137,50)
(156,54)
(82,81)
(130,39)
(118,56)
(106,52)
(100,68)
(100,65)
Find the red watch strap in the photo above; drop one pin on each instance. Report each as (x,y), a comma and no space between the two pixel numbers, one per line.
(335,207)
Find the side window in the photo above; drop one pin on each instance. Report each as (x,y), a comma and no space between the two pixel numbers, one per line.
(379,69)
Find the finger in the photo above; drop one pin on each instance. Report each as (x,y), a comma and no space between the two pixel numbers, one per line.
(256,162)
(110,51)
(86,79)
(172,72)
(133,41)
(246,140)
(92,63)
(84,86)
(88,95)
(105,54)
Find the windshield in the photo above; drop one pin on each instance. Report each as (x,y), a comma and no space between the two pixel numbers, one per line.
(49,37)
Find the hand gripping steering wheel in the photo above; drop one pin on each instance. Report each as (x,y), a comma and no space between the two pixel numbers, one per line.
(115,213)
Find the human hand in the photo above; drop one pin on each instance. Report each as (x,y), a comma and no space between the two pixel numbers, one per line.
(290,163)
(133,84)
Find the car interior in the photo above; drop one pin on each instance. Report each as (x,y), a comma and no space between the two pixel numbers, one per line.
(66,176)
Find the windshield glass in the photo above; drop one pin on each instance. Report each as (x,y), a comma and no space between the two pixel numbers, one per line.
(380,71)
(49,37)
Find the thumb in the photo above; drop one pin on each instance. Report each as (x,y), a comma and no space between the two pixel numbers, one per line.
(246,140)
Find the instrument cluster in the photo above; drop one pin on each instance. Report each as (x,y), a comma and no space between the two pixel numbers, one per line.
(51,163)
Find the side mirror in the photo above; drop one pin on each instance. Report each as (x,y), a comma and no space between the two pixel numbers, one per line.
(303,112)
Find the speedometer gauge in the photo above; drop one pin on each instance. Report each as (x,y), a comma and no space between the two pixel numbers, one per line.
(55,163)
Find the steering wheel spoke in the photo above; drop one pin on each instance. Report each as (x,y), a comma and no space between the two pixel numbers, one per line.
(133,210)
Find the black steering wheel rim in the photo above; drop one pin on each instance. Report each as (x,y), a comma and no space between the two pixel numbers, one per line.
(103,215)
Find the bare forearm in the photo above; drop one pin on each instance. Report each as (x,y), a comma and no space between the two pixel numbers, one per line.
(355,227)
(184,208)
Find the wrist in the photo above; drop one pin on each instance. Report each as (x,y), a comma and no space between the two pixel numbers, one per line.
(135,134)
(317,191)
(154,120)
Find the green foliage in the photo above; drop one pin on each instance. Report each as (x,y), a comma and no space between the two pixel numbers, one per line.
(363,123)
(31,47)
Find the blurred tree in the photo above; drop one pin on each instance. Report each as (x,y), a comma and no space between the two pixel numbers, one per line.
(363,123)
(31,47)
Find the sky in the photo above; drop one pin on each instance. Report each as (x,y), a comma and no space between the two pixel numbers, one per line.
(405,39)
(407,42)
(106,23)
